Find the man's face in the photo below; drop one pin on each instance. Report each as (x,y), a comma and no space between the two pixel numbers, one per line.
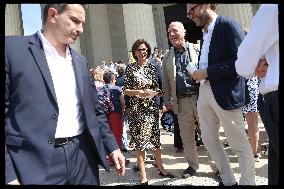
(197,13)
(69,24)
(176,35)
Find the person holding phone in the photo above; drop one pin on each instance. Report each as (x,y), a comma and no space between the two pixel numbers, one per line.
(140,77)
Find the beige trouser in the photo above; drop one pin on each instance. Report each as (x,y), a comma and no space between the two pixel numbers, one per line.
(211,116)
(187,112)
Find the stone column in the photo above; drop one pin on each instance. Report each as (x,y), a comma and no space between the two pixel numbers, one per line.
(254,8)
(160,26)
(98,34)
(239,12)
(139,23)
(13,20)
(117,32)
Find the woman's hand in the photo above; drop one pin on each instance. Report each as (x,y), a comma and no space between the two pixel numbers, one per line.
(141,93)
(160,94)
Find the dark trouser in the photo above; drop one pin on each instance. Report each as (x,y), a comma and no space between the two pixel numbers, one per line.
(271,124)
(177,138)
(74,163)
(260,106)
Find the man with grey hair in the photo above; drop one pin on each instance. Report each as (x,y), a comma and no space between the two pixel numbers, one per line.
(181,91)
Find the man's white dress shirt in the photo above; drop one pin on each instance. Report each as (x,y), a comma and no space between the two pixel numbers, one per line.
(261,40)
(63,77)
(207,35)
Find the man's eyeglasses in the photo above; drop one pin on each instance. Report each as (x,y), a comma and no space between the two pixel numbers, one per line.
(142,50)
(191,11)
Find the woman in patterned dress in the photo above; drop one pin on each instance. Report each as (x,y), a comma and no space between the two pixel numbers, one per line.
(251,114)
(143,112)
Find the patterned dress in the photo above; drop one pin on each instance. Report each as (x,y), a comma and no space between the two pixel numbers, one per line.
(144,112)
(252,90)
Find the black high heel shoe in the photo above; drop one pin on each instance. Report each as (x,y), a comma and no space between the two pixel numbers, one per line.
(144,183)
(168,175)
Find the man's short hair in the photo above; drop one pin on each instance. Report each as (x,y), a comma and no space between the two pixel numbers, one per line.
(108,76)
(213,6)
(120,69)
(179,24)
(59,7)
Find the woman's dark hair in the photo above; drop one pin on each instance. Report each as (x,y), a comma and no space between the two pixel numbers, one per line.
(59,7)
(108,76)
(136,45)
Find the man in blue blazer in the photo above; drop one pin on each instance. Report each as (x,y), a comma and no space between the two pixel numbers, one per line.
(221,92)
(55,132)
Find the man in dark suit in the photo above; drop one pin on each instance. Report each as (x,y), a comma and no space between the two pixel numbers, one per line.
(221,92)
(55,132)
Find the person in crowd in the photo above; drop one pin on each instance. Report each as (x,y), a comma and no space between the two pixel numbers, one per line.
(169,121)
(97,75)
(112,66)
(143,110)
(250,112)
(98,81)
(157,59)
(258,55)
(221,92)
(115,104)
(128,62)
(120,62)
(103,65)
(180,92)
(120,82)
(51,110)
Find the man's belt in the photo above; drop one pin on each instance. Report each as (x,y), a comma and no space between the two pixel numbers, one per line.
(62,141)
(184,95)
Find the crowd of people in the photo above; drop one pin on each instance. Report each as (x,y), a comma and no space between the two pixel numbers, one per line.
(63,119)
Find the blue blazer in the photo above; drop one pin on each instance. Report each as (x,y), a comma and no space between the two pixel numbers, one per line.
(31,111)
(227,86)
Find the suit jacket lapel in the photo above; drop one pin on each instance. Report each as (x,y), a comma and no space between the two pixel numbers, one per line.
(173,64)
(214,34)
(78,72)
(172,69)
(40,59)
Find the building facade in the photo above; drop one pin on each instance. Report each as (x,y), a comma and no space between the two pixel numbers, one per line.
(111,29)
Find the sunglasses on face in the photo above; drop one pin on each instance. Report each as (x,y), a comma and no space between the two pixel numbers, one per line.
(141,50)
(191,11)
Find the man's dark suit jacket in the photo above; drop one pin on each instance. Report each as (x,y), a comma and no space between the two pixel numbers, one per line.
(31,111)
(227,86)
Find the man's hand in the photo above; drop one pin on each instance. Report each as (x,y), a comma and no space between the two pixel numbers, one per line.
(200,74)
(119,161)
(14,182)
(261,69)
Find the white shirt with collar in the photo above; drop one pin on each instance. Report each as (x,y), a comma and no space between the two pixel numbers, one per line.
(207,35)
(63,77)
(261,40)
